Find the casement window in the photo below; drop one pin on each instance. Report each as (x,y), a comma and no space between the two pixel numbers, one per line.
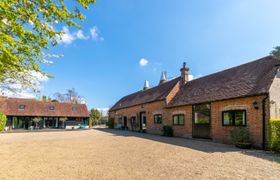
(74,109)
(157,118)
(22,107)
(179,119)
(234,118)
(51,108)
(120,120)
(201,114)
(133,120)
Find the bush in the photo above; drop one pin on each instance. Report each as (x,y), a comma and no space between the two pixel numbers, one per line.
(240,135)
(274,132)
(3,121)
(167,131)
(110,123)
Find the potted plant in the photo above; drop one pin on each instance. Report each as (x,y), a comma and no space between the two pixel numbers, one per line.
(240,137)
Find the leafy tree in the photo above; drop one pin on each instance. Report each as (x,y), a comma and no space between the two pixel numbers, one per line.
(36,120)
(276,52)
(95,116)
(3,121)
(44,98)
(27,32)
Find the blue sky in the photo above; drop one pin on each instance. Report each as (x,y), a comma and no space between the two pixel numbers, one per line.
(209,35)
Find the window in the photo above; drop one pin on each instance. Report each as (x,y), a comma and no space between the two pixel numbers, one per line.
(234,118)
(201,114)
(157,118)
(51,108)
(120,120)
(74,109)
(133,120)
(22,107)
(178,119)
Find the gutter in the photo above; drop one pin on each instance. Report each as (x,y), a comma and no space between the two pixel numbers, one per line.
(263,119)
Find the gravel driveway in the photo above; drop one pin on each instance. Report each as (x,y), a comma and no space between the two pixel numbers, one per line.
(114,154)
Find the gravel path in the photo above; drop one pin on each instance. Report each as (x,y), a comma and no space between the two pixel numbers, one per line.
(113,154)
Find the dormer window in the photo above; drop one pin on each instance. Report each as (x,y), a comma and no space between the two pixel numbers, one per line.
(51,108)
(74,109)
(21,107)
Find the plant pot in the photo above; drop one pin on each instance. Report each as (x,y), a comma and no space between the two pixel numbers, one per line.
(243,145)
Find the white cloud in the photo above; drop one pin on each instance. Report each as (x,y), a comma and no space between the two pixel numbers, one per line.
(80,35)
(104,111)
(143,62)
(192,77)
(95,34)
(67,37)
(12,88)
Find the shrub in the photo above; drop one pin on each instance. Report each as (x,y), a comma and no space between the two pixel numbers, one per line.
(274,132)
(240,135)
(110,123)
(3,121)
(167,131)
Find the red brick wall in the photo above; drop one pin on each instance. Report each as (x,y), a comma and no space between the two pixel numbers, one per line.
(219,133)
(179,130)
(149,108)
(254,119)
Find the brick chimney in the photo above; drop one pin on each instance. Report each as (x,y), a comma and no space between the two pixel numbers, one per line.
(146,85)
(184,73)
(163,78)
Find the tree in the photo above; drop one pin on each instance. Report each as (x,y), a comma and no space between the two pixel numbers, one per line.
(276,52)
(95,116)
(28,31)
(71,96)
(36,120)
(3,121)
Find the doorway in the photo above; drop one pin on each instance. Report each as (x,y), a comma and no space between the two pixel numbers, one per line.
(143,122)
(201,121)
(125,122)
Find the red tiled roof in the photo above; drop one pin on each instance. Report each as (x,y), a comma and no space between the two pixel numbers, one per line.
(249,79)
(157,93)
(10,107)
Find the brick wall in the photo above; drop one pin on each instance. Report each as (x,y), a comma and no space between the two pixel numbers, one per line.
(253,116)
(219,133)
(181,130)
(150,108)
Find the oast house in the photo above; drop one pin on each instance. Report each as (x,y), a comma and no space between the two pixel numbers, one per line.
(208,107)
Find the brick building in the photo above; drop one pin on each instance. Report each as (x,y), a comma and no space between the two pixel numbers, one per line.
(21,112)
(208,107)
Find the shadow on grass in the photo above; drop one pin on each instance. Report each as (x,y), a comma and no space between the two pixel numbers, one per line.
(202,145)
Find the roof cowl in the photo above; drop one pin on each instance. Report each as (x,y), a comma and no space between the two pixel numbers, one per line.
(163,77)
(146,85)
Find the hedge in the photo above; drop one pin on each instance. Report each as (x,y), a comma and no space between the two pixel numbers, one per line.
(3,121)
(275,134)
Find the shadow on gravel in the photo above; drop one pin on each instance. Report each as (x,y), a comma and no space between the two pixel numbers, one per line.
(202,145)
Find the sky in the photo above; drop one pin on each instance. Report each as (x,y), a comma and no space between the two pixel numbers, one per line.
(125,42)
